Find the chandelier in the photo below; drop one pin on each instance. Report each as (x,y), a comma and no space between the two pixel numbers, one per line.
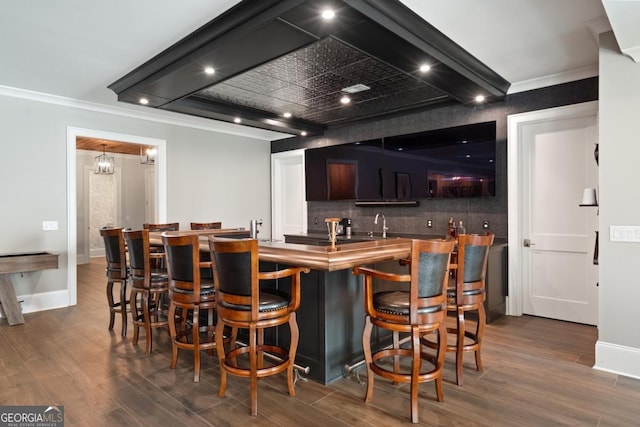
(148,155)
(104,163)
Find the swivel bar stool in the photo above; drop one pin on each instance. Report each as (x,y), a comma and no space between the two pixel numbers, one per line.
(149,287)
(241,304)
(189,294)
(468,294)
(116,272)
(420,309)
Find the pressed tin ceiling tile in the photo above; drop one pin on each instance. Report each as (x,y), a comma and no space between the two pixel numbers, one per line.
(309,82)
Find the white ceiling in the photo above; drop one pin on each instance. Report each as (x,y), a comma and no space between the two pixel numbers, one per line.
(76,48)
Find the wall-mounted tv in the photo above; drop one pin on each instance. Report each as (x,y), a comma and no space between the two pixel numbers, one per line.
(443,163)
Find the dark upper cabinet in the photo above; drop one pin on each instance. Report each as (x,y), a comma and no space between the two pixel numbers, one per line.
(344,172)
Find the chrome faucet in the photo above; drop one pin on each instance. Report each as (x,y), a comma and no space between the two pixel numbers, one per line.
(384,224)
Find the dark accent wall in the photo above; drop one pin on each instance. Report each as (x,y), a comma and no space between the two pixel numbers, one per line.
(472,211)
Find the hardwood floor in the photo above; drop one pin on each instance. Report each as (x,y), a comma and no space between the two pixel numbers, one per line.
(537,373)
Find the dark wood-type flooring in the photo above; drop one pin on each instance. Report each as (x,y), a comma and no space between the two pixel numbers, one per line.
(537,373)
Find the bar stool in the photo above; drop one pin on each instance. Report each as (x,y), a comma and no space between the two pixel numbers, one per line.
(467,294)
(206,225)
(242,304)
(189,294)
(149,287)
(169,226)
(116,272)
(420,310)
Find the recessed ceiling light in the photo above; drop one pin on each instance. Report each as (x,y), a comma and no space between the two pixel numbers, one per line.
(287,114)
(144,101)
(328,14)
(209,70)
(463,141)
(237,120)
(345,99)
(480,98)
(303,133)
(490,160)
(424,68)
(468,156)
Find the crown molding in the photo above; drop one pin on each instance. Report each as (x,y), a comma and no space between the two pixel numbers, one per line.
(158,116)
(554,79)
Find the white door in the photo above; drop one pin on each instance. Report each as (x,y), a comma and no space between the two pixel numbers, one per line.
(558,275)
(288,205)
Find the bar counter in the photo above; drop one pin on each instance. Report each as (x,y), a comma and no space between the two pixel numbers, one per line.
(331,314)
(345,255)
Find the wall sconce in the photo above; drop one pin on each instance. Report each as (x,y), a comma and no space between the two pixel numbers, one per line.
(589,197)
(104,163)
(148,155)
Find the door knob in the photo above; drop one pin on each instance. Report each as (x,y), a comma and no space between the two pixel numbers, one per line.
(528,243)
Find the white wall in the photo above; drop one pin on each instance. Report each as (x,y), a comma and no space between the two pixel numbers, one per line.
(618,347)
(210,175)
(227,177)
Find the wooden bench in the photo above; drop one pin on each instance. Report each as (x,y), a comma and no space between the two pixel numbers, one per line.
(20,263)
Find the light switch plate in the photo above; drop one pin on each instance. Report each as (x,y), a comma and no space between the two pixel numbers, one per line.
(624,233)
(49,225)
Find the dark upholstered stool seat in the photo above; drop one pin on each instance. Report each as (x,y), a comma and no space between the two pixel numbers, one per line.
(451,293)
(398,302)
(269,301)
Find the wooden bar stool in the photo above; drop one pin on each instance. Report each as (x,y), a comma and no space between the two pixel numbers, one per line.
(419,310)
(206,225)
(149,287)
(117,272)
(189,294)
(467,294)
(242,304)
(169,226)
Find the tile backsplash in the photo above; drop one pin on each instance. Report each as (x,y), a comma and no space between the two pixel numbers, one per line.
(413,220)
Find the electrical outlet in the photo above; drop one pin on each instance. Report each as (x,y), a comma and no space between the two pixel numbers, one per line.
(429,223)
(49,225)
(485,224)
(315,221)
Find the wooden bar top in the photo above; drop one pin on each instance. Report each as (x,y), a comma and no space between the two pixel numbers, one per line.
(326,258)
(335,258)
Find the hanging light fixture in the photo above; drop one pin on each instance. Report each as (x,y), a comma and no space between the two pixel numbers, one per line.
(148,155)
(104,163)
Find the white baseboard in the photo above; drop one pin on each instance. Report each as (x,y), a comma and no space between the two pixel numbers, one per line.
(44,301)
(618,359)
(96,252)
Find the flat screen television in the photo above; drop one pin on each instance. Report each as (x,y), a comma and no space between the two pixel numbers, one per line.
(443,163)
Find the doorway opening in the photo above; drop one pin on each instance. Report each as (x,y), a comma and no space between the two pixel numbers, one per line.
(74,168)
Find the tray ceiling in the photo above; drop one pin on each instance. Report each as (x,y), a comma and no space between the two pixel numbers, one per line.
(277,56)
